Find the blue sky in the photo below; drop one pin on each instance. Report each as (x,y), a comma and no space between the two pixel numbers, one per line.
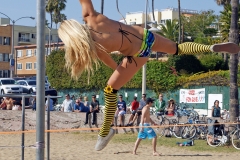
(19,8)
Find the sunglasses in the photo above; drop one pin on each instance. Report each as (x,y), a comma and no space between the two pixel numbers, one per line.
(77,102)
(120,97)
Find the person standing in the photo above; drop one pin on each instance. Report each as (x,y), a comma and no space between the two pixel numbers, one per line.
(216,110)
(67,105)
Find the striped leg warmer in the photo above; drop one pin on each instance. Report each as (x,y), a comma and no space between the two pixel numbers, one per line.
(192,48)
(110,109)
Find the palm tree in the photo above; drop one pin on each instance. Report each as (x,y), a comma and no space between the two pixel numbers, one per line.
(179,22)
(170,30)
(223,2)
(233,66)
(102,6)
(50,9)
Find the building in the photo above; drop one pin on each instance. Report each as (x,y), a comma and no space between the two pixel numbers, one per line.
(5,50)
(161,16)
(23,35)
(26,60)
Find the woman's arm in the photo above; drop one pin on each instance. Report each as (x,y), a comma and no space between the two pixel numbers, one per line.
(87,8)
(107,60)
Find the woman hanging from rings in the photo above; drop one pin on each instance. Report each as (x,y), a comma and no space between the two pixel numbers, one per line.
(86,44)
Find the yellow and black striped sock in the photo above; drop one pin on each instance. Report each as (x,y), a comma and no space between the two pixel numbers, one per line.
(192,48)
(109,111)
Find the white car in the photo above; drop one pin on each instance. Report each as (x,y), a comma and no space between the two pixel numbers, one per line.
(30,86)
(7,85)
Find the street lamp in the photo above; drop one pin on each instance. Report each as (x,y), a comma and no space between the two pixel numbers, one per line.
(12,62)
(49,39)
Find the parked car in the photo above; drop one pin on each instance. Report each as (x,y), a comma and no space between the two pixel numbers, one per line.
(30,86)
(7,85)
(47,83)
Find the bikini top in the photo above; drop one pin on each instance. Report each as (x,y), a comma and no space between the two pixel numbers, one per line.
(124,34)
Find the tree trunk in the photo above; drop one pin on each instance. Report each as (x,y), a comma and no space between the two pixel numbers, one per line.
(225,57)
(234,37)
(102,6)
(179,22)
(153,10)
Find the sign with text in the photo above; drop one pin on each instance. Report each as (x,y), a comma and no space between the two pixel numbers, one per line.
(192,95)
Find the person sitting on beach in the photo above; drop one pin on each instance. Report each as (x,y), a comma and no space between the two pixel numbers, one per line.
(138,113)
(135,105)
(170,108)
(86,45)
(80,107)
(7,104)
(121,110)
(145,130)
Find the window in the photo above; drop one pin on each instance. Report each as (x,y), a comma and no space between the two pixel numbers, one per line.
(1,40)
(34,36)
(35,65)
(19,53)
(29,53)
(6,40)
(5,74)
(1,57)
(28,66)
(35,52)
(4,57)
(19,66)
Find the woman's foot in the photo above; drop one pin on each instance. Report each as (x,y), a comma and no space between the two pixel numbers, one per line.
(228,47)
(103,141)
(156,154)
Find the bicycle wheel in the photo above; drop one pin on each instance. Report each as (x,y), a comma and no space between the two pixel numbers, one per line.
(163,128)
(236,139)
(188,132)
(177,131)
(213,140)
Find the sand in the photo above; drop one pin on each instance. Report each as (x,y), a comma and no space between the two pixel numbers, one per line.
(70,146)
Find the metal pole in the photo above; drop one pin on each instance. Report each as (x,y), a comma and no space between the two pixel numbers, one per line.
(49,30)
(23,125)
(48,128)
(179,22)
(40,122)
(12,50)
(144,66)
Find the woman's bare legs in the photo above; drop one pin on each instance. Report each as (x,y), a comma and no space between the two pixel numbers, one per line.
(124,72)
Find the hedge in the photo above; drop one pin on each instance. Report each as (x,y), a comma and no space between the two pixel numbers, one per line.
(160,76)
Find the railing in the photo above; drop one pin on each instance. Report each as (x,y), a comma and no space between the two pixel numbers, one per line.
(20,39)
(23,119)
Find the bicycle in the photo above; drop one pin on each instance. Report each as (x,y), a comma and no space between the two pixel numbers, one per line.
(217,139)
(168,130)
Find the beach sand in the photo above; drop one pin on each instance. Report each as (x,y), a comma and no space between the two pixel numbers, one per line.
(78,146)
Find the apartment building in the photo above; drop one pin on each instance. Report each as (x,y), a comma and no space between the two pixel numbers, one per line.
(134,18)
(23,36)
(5,50)
(26,58)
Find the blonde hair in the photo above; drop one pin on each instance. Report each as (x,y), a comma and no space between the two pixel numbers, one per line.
(80,49)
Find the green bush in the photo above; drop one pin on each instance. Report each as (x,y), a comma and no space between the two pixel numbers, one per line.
(160,76)
(212,62)
(185,64)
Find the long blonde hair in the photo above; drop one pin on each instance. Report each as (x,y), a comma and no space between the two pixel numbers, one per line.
(80,49)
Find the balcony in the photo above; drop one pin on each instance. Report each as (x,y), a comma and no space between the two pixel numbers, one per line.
(23,40)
